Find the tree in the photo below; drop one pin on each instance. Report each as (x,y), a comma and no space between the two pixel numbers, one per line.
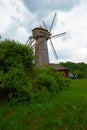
(80,68)
(13,53)
(16,60)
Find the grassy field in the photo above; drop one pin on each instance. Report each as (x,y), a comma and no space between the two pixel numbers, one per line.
(66,111)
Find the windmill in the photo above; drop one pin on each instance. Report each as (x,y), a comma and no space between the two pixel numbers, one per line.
(38,41)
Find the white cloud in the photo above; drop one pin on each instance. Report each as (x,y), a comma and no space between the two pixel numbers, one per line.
(14,16)
(16,22)
(75,23)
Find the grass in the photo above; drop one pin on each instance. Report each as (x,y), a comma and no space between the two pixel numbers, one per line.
(65,111)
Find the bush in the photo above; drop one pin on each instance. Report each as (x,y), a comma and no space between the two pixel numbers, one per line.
(16,84)
(13,53)
(16,60)
(47,80)
(19,81)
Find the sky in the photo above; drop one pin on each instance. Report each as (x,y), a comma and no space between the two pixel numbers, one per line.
(19,17)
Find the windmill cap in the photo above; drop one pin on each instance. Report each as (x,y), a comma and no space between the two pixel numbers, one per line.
(40,32)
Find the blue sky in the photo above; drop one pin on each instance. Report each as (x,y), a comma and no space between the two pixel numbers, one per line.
(19,17)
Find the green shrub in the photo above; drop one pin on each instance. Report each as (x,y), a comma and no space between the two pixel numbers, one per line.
(81,74)
(20,81)
(13,53)
(16,84)
(16,61)
(80,68)
(48,80)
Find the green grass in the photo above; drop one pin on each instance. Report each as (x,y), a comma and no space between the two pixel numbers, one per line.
(65,111)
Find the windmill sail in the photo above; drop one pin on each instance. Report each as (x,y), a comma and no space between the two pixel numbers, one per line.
(52,22)
(55,54)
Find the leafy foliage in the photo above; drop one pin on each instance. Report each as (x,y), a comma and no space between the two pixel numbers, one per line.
(48,80)
(17,84)
(80,68)
(65,111)
(20,80)
(16,60)
(13,53)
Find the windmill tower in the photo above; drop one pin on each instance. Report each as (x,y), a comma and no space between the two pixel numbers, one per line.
(41,36)
(41,51)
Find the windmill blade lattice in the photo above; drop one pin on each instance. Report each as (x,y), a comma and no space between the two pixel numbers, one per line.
(58,35)
(30,41)
(0,36)
(44,24)
(52,22)
(55,54)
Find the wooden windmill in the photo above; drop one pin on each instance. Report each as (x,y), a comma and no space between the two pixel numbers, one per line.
(41,36)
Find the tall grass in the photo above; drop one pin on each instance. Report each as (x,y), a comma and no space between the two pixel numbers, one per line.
(65,111)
